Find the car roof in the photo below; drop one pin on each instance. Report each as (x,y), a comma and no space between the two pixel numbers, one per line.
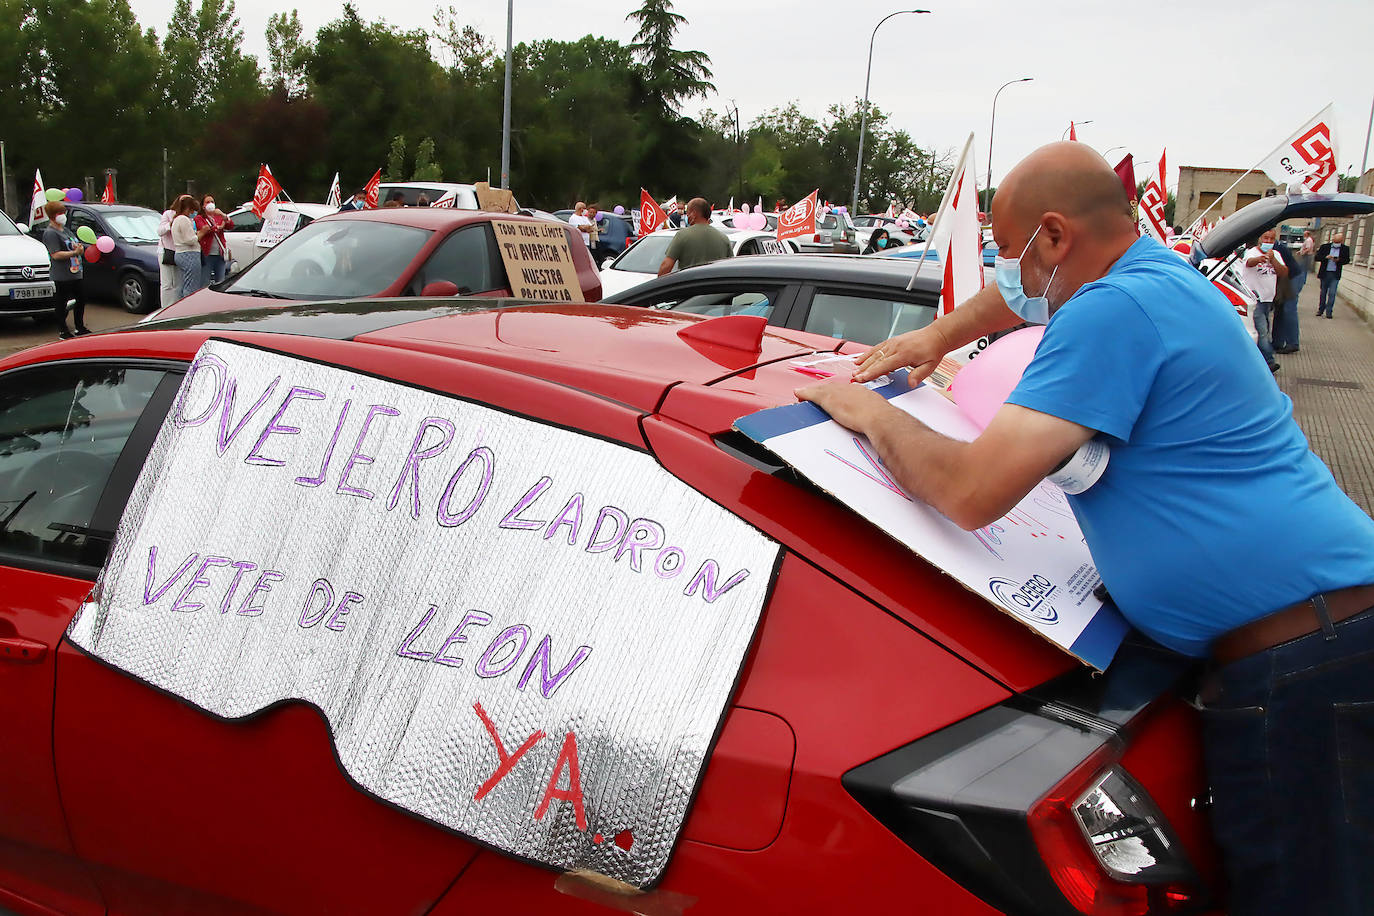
(823,268)
(426,217)
(109,208)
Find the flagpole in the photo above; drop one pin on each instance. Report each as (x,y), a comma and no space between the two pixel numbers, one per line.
(505,112)
(5,178)
(863,114)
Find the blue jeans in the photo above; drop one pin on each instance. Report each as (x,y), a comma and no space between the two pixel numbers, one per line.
(214,268)
(1327,300)
(189,270)
(1285,332)
(1289,741)
(1263,313)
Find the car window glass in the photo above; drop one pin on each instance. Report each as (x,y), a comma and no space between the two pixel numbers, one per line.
(61,431)
(865,319)
(78,218)
(133,225)
(828,222)
(334,259)
(247,221)
(646,254)
(725,302)
(7,226)
(464,259)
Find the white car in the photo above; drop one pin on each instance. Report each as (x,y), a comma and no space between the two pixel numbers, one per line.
(246,236)
(26,289)
(640,261)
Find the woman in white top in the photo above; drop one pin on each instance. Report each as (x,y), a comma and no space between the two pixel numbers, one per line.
(186,243)
(166,258)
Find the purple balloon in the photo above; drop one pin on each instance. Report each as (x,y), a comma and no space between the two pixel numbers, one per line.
(74,194)
(619,210)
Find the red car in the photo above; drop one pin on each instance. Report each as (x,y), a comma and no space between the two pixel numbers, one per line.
(376,254)
(893,743)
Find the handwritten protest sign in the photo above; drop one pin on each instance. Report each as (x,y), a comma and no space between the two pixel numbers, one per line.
(538,260)
(1031,564)
(522,633)
(277,227)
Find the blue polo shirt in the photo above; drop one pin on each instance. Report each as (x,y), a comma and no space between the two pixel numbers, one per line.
(1212,511)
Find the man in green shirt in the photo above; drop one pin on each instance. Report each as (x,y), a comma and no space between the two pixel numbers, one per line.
(699,243)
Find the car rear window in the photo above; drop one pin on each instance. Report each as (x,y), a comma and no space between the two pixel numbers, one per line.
(865,319)
(334,259)
(646,255)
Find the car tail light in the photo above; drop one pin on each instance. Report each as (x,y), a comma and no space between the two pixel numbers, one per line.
(1107,845)
(1241,306)
(817,238)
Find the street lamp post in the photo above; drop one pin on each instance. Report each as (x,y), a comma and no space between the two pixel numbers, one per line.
(1110,151)
(1065,134)
(505,114)
(987,189)
(863,116)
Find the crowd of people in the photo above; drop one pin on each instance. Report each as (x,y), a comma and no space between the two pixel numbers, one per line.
(1277,274)
(193,250)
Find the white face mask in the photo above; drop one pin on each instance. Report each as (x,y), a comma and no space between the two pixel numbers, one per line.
(60,219)
(209,206)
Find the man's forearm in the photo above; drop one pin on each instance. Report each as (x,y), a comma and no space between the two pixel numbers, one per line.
(983,313)
(927,464)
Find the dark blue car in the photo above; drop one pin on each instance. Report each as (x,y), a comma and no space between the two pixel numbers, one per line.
(128,275)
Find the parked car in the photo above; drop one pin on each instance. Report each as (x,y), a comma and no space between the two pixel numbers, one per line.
(26,288)
(640,261)
(960,765)
(129,275)
(377,254)
(246,240)
(864,226)
(465,194)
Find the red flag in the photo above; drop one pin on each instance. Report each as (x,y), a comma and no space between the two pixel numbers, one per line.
(265,192)
(798,219)
(651,215)
(1125,170)
(372,191)
(1163,185)
(1073,134)
(108,196)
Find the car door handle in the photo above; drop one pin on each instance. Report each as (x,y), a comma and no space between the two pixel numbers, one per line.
(23,651)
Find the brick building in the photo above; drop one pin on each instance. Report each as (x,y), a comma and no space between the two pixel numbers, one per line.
(1199,188)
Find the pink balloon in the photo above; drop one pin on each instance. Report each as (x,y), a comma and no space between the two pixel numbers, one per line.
(744,208)
(983,386)
(105,244)
(760,221)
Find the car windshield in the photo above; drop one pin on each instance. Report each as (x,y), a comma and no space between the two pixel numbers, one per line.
(7,226)
(333,259)
(646,254)
(133,225)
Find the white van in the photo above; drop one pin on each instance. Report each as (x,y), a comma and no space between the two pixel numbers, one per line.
(26,289)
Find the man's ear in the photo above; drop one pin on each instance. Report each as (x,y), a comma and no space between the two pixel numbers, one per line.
(1060,232)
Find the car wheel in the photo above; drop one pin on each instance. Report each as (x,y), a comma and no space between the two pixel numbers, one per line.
(135,293)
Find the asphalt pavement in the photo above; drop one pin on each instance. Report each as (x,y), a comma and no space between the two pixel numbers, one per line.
(21,333)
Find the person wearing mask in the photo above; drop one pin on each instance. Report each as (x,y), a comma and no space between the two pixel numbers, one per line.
(1262,270)
(699,243)
(1216,530)
(1331,257)
(214,247)
(878,241)
(166,258)
(186,239)
(582,223)
(65,266)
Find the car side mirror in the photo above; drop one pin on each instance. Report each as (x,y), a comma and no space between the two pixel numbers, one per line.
(440,288)
(22,227)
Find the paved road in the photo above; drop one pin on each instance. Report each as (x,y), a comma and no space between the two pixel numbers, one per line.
(21,333)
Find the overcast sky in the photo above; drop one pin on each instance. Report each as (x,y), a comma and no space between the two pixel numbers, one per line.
(1218,84)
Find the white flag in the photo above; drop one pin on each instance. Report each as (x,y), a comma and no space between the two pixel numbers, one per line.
(38,200)
(448,200)
(670,205)
(334,199)
(1307,160)
(957,236)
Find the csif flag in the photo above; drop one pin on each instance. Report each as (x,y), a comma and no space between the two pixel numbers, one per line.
(651,215)
(265,191)
(957,236)
(447,201)
(1306,161)
(1125,171)
(1150,219)
(671,205)
(108,195)
(799,219)
(335,198)
(372,191)
(39,197)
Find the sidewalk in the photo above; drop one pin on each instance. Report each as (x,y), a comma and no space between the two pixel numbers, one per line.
(1330,380)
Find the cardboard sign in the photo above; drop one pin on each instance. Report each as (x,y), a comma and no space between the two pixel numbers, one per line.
(279,225)
(538,260)
(1032,564)
(495,200)
(522,633)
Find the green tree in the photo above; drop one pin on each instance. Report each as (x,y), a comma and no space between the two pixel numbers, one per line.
(287,54)
(396,160)
(426,169)
(670,76)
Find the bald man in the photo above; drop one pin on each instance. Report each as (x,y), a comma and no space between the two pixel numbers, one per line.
(1216,530)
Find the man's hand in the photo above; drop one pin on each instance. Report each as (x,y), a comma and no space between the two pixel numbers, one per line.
(852,406)
(920,351)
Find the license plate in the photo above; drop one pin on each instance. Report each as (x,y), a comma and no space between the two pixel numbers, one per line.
(32,292)
(773,246)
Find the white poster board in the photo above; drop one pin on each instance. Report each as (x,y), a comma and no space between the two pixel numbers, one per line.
(1031,564)
(278,225)
(522,633)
